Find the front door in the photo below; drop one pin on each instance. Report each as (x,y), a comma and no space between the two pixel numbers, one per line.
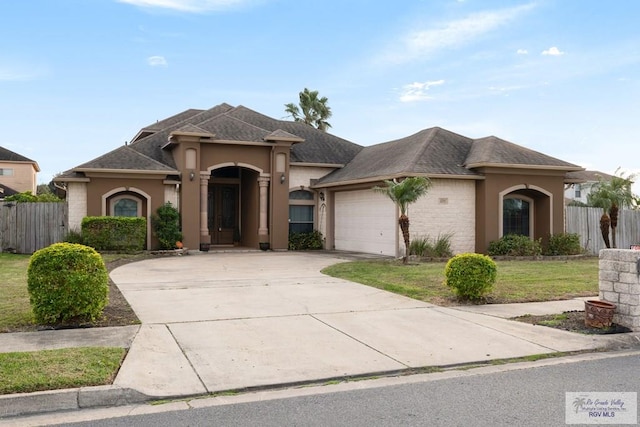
(222,213)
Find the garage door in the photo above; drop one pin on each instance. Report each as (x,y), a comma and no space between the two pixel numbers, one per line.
(365,221)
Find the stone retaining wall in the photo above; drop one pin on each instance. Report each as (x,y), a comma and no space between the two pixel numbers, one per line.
(619,281)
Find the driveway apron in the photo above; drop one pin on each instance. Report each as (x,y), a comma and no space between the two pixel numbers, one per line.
(228,321)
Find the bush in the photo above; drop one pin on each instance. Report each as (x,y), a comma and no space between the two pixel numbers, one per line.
(305,241)
(29,197)
(564,244)
(515,245)
(74,236)
(166,226)
(114,233)
(470,275)
(432,248)
(67,281)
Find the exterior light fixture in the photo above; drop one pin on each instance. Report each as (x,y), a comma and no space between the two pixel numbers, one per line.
(282,179)
(191,176)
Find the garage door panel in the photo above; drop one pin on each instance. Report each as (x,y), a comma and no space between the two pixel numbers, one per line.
(365,221)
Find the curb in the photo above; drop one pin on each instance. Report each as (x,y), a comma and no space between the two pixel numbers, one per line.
(68,399)
(24,404)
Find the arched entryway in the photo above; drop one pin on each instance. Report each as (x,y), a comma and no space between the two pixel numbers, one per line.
(525,210)
(233,205)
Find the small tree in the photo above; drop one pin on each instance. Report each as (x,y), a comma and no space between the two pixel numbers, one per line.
(166,226)
(612,195)
(403,193)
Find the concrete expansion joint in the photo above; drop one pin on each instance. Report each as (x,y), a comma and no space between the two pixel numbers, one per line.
(361,342)
(186,356)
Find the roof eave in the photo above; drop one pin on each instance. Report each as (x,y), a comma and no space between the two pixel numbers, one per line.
(567,168)
(129,171)
(395,176)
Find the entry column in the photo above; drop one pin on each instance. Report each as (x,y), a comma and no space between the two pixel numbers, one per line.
(204,194)
(263,230)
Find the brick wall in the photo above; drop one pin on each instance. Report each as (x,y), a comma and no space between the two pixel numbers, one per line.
(77,200)
(619,284)
(448,207)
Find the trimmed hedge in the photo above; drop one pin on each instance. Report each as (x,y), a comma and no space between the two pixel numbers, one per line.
(114,233)
(515,245)
(305,241)
(67,281)
(470,275)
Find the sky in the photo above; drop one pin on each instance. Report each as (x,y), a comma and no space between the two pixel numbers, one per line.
(78,78)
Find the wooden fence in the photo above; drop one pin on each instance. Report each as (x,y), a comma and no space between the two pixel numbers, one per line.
(27,227)
(586,223)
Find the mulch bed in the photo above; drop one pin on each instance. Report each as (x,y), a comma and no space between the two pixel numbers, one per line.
(571,321)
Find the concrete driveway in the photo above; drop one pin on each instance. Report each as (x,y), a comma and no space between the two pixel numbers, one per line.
(225,321)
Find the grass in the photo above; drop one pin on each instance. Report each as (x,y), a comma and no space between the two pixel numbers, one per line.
(15,309)
(517,281)
(57,369)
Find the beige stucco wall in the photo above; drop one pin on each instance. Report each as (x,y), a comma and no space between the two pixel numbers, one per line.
(301,176)
(448,207)
(77,200)
(24,176)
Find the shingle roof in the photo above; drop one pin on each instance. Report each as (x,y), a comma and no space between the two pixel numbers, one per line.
(7,191)
(10,156)
(225,122)
(492,151)
(587,176)
(125,158)
(439,152)
(433,151)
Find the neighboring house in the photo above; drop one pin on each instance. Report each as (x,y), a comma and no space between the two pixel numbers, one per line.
(232,171)
(580,184)
(17,173)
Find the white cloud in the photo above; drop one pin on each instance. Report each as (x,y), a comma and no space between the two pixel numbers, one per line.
(522,52)
(417,91)
(552,51)
(422,43)
(194,6)
(157,61)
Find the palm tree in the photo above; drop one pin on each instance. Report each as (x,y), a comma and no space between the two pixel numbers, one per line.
(403,193)
(611,195)
(312,110)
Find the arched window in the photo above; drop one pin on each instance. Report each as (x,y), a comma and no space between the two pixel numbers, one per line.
(301,211)
(517,216)
(126,206)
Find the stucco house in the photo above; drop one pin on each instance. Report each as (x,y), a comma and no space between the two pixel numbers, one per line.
(232,171)
(17,173)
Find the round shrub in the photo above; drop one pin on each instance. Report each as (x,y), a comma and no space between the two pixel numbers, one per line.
(67,281)
(470,275)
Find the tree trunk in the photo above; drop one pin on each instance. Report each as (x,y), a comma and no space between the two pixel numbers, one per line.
(605,222)
(404,226)
(613,214)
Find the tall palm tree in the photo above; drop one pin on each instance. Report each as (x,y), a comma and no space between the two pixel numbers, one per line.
(311,110)
(611,195)
(403,193)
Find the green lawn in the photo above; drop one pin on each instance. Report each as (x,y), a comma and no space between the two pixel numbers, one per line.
(517,281)
(15,309)
(55,369)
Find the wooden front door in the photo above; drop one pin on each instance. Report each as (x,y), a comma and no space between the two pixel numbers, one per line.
(222,213)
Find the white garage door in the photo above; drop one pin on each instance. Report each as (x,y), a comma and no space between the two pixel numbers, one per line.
(365,221)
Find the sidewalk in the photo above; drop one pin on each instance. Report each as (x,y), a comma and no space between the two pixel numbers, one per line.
(277,322)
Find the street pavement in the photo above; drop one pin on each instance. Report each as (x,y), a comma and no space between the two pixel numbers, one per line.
(217,322)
